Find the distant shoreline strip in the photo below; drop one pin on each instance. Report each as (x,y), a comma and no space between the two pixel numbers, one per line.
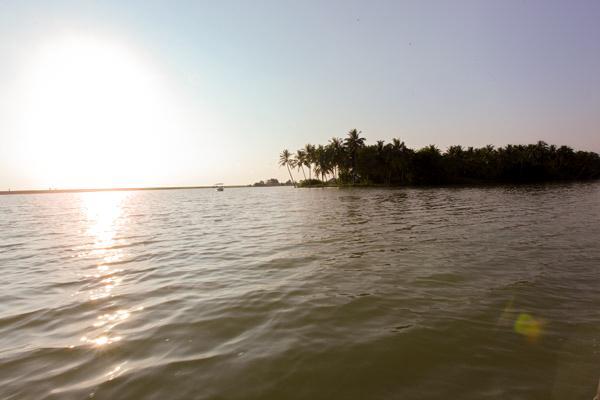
(51,191)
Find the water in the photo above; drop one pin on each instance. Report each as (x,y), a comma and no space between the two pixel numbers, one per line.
(281,293)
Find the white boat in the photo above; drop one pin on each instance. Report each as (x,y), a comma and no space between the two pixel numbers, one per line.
(219,187)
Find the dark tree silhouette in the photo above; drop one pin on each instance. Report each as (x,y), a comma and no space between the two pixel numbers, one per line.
(353,144)
(285,159)
(351,161)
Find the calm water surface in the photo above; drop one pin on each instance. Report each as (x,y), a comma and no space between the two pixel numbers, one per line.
(281,293)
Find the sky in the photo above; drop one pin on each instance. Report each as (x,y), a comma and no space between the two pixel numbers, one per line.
(169,93)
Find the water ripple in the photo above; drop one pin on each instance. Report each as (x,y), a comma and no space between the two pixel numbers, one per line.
(464,293)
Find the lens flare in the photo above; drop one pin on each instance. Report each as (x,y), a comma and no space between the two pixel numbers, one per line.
(528,326)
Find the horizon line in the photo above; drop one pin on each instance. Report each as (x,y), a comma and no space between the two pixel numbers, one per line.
(116,189)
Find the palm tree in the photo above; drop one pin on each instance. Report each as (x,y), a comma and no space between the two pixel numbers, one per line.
(399,158)
(353,142)
(301,161)
(354,161)
(336,145)
(382,169)
(309,149)
(322,166)
(285,159)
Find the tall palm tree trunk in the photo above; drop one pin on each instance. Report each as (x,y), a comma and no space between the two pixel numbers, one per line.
(353,169)
(291,177)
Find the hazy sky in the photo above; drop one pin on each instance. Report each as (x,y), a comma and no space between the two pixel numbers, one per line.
(117,93)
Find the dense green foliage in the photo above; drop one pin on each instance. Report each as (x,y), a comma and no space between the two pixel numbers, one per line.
(351,161)
(272,182)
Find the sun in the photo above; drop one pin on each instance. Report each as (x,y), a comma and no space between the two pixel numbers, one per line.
(93,113)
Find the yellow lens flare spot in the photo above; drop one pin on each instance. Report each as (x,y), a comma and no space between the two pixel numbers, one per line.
(529,326)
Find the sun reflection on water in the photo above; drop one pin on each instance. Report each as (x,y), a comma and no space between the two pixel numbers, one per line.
(103,210)
(115,372)
(104,214)
(104,219)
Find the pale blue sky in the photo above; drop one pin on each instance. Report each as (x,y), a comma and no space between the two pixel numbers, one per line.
(243,80)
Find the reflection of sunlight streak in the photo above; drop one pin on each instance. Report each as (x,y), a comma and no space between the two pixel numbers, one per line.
(113,319)
(104,214)
(100,340)
(104,325)
(103,210)
(115,372)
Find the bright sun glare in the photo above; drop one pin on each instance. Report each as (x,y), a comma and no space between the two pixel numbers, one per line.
(94,114)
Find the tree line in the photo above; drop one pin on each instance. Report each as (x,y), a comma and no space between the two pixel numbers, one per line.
(271,182)
(352,161)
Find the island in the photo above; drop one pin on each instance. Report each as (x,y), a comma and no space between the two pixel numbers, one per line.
(352,162)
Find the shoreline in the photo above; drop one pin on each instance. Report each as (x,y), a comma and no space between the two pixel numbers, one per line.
(446,185)
(338,186)
(52,191)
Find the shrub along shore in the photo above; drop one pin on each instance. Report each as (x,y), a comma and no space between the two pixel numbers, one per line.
(351,162)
